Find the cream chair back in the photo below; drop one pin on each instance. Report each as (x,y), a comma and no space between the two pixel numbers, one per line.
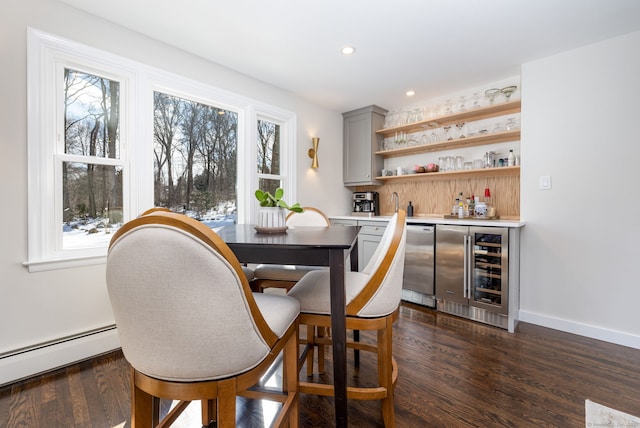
(383,291)
(180,303)
(310,217)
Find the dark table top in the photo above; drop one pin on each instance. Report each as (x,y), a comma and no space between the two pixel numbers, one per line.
(253,247)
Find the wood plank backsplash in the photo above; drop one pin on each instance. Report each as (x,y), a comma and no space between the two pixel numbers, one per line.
(438,196)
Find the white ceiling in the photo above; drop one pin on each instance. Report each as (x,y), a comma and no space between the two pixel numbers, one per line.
(434,47)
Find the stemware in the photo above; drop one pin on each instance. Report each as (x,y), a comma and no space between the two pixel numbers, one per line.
(507,91)
(492,94)
(460,126)
(447,130)
(462,104)
(448,109)
(511,124)
(476,100)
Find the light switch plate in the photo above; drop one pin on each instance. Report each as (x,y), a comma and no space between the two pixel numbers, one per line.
(545,182)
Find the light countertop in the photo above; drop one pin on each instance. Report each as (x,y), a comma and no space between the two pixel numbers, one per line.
(439,219)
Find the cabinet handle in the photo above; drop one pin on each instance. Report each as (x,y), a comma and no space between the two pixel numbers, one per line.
(469,265)
(465,263)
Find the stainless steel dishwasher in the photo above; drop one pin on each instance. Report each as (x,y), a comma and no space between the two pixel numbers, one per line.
(419,263)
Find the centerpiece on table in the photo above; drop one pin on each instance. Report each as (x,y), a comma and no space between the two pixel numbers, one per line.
(272,214)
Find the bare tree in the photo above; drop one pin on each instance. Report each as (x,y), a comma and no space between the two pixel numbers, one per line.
(166,119)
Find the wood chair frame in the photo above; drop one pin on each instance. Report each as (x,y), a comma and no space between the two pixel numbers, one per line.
(218,396)
(318,324)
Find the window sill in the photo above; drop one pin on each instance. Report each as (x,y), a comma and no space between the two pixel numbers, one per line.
(45,265)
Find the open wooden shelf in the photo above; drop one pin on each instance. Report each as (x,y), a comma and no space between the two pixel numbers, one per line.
(501,109)
(448,175)
(478,140)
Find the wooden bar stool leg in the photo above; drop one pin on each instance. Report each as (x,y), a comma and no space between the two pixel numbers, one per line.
(311,348)
(385,372)
(208,412)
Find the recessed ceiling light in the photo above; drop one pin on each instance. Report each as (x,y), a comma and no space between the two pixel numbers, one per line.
(348,50)
(411,93)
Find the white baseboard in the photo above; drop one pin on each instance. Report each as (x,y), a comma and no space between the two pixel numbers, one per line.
(32,362)
(599,333)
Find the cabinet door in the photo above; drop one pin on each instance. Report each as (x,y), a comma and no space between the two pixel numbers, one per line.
(489,268)
(450,263)
(368,239)
(361,165)
(367,245)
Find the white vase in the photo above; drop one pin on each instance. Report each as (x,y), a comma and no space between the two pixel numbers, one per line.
(272,217)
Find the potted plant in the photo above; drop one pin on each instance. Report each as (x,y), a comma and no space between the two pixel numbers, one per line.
(272,209)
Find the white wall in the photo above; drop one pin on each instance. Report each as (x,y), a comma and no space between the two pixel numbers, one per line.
(41,307)
(580,252)
(579,125)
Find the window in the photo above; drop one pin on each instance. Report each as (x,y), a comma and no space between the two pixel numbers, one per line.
(195,150)
(268,144)
(88,157)
(110,138)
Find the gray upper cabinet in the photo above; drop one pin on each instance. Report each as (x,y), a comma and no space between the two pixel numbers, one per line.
(361,166)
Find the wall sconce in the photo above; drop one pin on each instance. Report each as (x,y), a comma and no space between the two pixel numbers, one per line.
(313,153)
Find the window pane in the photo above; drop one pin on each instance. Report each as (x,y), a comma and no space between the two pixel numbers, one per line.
(268,148)
(91,115)
(92,203)
(269,185)
(195,158)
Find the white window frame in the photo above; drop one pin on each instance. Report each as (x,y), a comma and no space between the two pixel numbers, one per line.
(288,154)
(138,82)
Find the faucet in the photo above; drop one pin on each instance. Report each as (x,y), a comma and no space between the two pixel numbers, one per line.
(394,195)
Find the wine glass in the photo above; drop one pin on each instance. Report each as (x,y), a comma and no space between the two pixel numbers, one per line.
(492,94)
(447,128)
(461,106)
(507,91)
(460,126)
(448,109)
(476,100)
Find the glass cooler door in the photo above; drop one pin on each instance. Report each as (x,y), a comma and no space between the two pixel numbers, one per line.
(489,268)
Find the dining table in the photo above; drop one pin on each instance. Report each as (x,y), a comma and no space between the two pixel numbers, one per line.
(312,246)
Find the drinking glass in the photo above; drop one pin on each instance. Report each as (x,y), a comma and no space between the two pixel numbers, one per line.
(507,91)
(462,104)
(476,100)
(492,94)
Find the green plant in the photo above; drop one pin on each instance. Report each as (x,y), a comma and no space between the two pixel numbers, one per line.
(266,199)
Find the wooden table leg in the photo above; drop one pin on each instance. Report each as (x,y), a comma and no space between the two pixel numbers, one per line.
(339,335)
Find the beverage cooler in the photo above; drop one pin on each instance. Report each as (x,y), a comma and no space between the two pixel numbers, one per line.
(471,277)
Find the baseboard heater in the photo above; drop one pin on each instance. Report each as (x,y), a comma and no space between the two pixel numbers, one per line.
(29,361)
(58,341)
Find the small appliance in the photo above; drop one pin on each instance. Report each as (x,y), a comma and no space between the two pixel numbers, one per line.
(366,204)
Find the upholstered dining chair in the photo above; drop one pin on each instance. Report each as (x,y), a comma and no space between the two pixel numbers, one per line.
(248,272)
(373,300)
(190,326)
(285,276)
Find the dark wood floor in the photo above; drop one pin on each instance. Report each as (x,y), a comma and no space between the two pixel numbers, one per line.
(453,373)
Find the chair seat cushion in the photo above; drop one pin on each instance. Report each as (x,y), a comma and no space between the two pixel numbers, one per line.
(284,272)
(249,273)
(313,291)
(278,311)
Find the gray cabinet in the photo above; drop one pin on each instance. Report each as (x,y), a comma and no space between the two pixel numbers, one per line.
(361,165)
(368,238)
